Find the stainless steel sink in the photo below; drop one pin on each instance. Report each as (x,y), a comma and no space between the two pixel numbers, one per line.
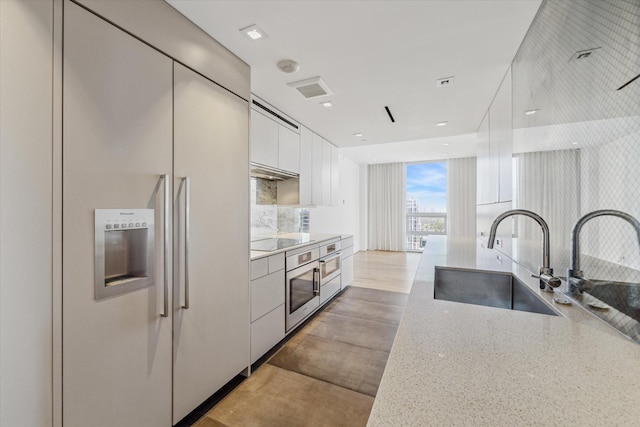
(490,288)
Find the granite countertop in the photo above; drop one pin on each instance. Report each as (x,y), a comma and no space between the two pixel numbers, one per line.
(309,239)
(463,364)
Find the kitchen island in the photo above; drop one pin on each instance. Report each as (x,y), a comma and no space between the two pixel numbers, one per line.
(462,364)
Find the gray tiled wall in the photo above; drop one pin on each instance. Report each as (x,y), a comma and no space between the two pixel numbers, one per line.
(581,151)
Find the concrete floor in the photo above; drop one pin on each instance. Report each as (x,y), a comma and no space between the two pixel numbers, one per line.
(328,373)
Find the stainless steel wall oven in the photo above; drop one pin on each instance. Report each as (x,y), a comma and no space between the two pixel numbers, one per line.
(330,269)
(302,286)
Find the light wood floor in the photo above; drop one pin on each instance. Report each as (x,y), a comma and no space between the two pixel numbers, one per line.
(386,271)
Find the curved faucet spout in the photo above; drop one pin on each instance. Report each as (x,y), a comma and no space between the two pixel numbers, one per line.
(574,269)
(545,231)
(547,280)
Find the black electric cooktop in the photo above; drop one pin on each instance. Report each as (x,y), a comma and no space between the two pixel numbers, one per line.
(268,245)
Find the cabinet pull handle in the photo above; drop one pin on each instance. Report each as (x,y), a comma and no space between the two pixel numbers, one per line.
(187,216)
(165,237)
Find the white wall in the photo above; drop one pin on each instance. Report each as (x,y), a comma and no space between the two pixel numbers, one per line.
(364,206)
(345,217)
(26,204)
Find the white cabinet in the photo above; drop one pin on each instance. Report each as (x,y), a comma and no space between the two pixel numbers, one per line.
(264,140)
(267,304)
(144,358)
(315,159)
(274,144)
(501,135)
(29,215)
(118,139)
(317,175)
(335,176)
(347,262)
(328,290)
(487,166)
(211,335)
(288,149)
(306,166)
(326,172)
(495,147)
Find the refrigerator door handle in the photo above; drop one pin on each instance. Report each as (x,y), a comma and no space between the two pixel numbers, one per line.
(165,237)
(187,216)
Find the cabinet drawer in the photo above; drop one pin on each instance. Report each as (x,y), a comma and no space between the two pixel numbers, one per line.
(347,252)
(267,332)
(259,268)
(347,242)
(328,290)
(276,262)
(346,273)
(266,294)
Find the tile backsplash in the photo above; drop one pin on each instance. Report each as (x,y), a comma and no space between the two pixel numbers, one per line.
(267,218)
(580,152)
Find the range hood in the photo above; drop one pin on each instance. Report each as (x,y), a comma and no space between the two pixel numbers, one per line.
(272,174)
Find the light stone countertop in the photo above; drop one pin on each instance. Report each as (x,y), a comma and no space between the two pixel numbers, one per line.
(463,364)
(309,238)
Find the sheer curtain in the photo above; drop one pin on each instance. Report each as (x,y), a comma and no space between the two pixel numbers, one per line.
(461,197)
(547,183)
(387,207)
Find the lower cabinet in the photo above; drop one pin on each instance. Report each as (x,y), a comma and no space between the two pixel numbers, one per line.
(347,262)
(267,304)
(266,332)
(329,289)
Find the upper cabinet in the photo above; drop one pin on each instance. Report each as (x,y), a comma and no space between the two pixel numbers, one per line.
(264,140)
(335,176)
(275,140)
(275,143)
(288,150)
(325,172)
(317,181)
(501,136)
(306,166)
(495,148)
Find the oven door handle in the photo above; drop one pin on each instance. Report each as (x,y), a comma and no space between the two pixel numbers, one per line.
(316,291)
(331,257)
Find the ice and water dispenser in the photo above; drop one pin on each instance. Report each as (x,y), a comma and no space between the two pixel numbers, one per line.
(124,250)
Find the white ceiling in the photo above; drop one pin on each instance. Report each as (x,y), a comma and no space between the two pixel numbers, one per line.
(374,54)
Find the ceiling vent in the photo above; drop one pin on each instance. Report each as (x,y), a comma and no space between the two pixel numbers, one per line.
(446,81)
(583,54)
(311,88)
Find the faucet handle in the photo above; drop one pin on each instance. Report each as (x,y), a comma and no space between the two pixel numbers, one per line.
(547,281)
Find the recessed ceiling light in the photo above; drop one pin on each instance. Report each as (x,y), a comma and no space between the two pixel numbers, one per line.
(574,143)
(440,124)
(445,144)
(254,33)
(327,104)
(358,134)
(445,154)
(531,112)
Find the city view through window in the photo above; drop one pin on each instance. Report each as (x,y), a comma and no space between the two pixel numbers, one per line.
(426,202)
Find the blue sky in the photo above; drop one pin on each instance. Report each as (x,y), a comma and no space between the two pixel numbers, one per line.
(427,182)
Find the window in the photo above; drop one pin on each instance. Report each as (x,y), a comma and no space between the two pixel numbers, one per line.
(426,202)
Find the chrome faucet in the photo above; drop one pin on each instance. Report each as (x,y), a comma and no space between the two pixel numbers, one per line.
(547,280)
(575,276)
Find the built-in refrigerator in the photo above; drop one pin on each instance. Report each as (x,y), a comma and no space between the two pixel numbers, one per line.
(155,231)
